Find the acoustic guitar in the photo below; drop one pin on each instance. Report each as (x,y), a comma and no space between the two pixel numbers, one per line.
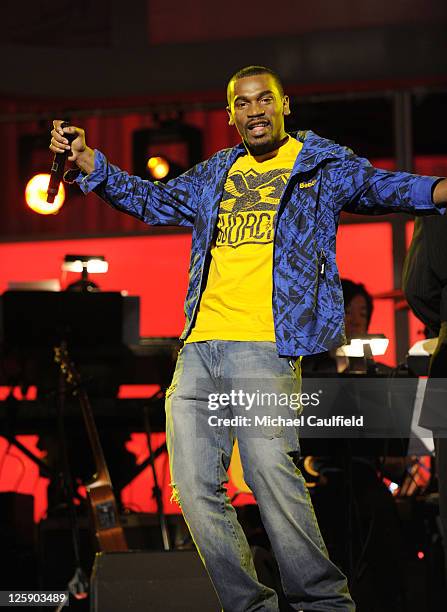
(108,531)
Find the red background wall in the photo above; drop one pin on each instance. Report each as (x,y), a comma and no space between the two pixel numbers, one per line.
(155,268)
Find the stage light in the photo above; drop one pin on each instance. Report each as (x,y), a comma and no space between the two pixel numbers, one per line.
(421,555)
(36,195)
(158,167)
(167,150)
(376,344)
(92,264)
(393,487)
(85,264)
(309,466)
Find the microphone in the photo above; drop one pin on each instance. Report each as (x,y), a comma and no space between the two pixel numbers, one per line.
(58,167)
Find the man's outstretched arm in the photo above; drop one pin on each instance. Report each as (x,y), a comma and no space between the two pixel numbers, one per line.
(440,192)
(154,203)
(364,189)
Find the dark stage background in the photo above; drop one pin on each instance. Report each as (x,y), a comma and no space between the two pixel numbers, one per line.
(372,76)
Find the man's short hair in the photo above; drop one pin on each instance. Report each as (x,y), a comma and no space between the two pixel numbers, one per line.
(252,71)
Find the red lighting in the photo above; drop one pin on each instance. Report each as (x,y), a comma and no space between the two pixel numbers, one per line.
(421,555)
(137,391)
(29,394)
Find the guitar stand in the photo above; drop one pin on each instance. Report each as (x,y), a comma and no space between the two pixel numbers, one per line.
(156,491)
(78,584)
(10,436)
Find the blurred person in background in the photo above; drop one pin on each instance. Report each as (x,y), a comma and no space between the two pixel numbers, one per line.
(425,287)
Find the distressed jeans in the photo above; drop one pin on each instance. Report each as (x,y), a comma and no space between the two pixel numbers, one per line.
(200,453)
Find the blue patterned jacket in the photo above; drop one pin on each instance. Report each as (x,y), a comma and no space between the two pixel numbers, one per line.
(326,178)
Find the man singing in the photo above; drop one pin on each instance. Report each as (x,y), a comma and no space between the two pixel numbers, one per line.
(263,291)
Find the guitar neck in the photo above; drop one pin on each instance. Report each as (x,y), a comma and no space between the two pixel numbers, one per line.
(102,473)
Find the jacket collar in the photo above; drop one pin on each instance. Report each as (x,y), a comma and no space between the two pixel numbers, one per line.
(315,150)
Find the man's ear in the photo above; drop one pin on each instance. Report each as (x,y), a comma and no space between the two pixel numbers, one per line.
(286,105)
(230,116)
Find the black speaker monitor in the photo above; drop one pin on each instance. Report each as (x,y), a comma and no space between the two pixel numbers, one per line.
(141,581)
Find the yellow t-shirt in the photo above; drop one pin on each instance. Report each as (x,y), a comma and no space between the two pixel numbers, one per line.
(237,301)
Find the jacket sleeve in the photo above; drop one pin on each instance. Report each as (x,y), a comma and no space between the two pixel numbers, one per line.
(361,188)
(155,203)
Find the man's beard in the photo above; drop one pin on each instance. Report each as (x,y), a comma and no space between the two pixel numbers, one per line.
(263,147)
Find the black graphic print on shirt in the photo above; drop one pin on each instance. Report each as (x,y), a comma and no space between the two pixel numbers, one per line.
(248,207)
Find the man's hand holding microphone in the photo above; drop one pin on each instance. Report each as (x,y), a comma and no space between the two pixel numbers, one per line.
(81,154)
(68,142)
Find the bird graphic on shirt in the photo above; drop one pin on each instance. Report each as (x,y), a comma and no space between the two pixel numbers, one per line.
(253,190)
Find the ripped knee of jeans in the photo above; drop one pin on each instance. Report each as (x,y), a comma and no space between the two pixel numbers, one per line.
(175,497)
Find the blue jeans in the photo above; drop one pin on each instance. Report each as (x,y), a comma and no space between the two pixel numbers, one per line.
(200,454)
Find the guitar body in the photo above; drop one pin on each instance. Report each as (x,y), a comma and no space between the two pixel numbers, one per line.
(109,534)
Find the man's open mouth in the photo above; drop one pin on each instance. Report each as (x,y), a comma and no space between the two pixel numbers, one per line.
(258,127)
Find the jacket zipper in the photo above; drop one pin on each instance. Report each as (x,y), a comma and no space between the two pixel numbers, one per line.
(322,264)
(275,226)
(193,314)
